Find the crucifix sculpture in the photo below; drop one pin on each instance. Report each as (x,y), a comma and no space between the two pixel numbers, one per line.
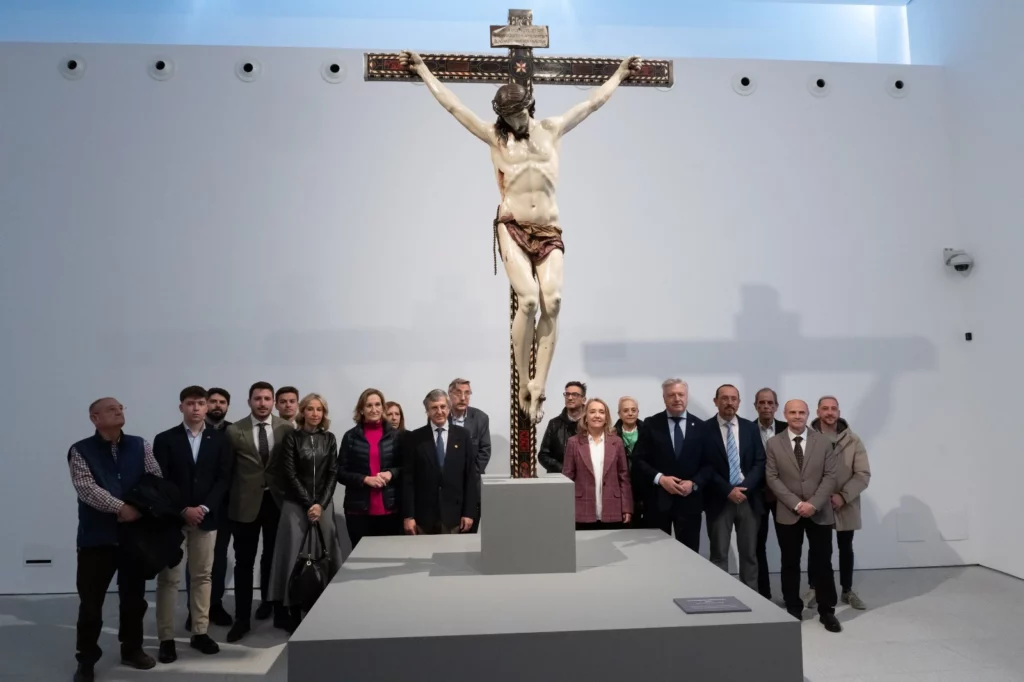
(525,154)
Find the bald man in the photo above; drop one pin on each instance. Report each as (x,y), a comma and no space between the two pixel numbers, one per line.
(103,468)
(800,468)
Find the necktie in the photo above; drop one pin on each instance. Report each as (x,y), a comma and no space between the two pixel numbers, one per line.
(799,452)
(264,444)
(439,446)
(735,475)
(677,437)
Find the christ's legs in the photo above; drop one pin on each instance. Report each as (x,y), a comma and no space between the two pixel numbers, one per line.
(520,275)
(550,276)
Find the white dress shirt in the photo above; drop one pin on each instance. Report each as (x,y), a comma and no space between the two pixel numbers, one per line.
(766,432)
(722,426)
(444,434)
(672,437)
(803,445)
(269,421)
(196,440)
(597,461)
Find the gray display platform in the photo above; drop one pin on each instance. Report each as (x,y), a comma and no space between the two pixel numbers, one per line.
(529,525)
(418,608)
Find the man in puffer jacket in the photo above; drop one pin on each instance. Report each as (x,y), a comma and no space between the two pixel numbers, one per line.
(851,480)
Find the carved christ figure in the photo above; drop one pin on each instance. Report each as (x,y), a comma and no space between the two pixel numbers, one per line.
(525,154)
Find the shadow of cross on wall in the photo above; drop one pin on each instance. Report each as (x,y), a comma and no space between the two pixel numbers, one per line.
(769,345)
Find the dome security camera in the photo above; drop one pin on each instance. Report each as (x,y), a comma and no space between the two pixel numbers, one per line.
(959,260)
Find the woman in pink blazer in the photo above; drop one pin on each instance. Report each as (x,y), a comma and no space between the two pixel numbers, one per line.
(595,459)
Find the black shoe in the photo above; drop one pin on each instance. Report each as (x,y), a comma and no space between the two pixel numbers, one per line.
(138,659)
(238,630)
(830,622)
(84,673)
(796,613)
(265,610)
(218,616)
(168,652)
(188,622)
(204,644)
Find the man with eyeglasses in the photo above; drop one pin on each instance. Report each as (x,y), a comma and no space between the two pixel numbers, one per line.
(562,427)
(477,423)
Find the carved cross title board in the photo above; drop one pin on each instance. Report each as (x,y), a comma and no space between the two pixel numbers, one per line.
(521,37)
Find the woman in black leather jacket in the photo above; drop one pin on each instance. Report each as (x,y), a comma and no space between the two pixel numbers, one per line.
(369,466)
(308,471)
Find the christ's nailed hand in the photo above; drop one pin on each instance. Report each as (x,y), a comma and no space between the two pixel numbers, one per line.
(410,60)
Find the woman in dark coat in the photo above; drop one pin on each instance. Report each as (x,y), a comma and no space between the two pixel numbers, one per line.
(309,469)
(369,465)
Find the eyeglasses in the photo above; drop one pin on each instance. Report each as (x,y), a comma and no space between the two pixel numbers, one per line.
(570,394)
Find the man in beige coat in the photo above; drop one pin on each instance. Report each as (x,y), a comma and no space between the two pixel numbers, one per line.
(852,476)
(800,469)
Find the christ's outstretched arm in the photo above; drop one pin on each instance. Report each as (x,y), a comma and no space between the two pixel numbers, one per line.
(462,113)
(578,113)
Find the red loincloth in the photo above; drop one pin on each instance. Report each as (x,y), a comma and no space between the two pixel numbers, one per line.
(537,241)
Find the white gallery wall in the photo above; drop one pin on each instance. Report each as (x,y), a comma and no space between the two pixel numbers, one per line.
(979,45)
(337,236)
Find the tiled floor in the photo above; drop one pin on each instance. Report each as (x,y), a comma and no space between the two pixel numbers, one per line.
(922,625)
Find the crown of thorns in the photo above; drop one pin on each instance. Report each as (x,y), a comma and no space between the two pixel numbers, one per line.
(510,108)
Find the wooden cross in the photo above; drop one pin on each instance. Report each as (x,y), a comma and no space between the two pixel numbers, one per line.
(521,37)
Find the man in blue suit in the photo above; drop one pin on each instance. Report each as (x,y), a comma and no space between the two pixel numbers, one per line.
(733,498)
(668,453)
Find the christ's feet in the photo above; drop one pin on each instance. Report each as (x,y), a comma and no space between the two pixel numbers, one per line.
(536,411)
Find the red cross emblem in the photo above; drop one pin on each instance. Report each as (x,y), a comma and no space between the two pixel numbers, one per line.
(520,67)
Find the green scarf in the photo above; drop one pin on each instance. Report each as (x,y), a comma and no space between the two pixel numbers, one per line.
(629,439)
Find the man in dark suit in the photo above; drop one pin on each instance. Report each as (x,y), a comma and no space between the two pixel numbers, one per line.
(767,404)
(801,469)
(254,505)
(197,459)
(479,426)
(439,475)
(735,455)
(668,453)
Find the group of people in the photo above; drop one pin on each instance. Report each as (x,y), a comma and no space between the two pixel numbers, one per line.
(673,470)
(152,510)
(274,476)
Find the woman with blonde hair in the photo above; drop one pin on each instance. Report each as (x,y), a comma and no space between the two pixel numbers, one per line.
(595,459)
(309,471)
(369,465)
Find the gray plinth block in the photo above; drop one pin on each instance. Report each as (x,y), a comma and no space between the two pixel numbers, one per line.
(529,526)
(418,609)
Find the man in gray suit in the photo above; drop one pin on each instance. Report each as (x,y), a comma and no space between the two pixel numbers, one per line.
(479,426)
(254,506)
(800,468)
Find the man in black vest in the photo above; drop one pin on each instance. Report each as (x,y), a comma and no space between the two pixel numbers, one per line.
(104,467)
(198,460)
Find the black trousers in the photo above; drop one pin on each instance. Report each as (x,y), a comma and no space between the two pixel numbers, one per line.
(247,539)
(687,526)
(599,525)
(819,555)
(364,525)
(844,538)
(764,585)
(96,568)
(220,562)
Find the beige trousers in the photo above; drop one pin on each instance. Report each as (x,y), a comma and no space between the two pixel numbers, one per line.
(198,546)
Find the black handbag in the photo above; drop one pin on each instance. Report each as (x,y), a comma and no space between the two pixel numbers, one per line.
(311,572)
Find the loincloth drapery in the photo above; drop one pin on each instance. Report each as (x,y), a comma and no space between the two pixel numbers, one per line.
(537,241)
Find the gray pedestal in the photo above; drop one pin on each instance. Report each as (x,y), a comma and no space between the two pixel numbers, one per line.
(418,608)
(529,526)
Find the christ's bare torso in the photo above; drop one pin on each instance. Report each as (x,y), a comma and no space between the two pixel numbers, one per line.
(527,174)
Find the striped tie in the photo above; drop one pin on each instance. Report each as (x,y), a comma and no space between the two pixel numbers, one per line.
(735,475)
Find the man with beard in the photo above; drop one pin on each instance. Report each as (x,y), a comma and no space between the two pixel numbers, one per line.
(525,155)
(255,505)
(852,476)
(286,400)
(218,402)
(735,455)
